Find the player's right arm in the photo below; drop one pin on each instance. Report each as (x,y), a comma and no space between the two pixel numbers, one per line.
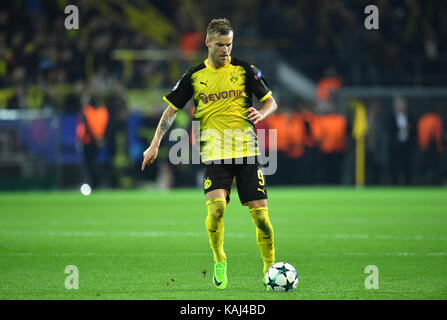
(164,124)
(176,99)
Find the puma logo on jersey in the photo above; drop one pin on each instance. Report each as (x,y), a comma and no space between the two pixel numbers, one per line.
(205,84)
(262,190)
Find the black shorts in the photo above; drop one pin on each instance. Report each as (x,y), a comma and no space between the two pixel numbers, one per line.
(249,180)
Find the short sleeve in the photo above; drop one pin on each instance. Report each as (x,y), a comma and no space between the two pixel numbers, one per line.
(258,84)
(180,93)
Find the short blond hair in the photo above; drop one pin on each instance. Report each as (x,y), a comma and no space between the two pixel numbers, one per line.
(219,26)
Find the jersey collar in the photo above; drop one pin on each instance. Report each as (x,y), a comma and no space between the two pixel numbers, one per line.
(219,69)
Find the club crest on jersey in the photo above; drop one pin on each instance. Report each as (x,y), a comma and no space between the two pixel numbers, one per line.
(207,183)
(233,78)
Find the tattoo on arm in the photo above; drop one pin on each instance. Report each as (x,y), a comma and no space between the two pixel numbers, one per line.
(166,123)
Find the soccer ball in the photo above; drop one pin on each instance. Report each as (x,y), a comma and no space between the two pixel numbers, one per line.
(281,276)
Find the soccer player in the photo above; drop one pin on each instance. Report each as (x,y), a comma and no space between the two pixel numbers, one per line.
(222,88)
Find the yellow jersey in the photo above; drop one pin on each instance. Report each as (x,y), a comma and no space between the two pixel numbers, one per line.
(222,97)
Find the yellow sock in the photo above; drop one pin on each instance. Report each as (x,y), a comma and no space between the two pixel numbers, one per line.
(215,227)
(267,265)
(264,235)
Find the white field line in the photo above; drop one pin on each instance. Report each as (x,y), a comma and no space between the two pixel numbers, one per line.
(146,221)
(160,234)
(152,254)
(126,234)
(110,254)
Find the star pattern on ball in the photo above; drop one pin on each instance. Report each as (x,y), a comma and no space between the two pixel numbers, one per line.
(282,270)
(272,283)
(288,286)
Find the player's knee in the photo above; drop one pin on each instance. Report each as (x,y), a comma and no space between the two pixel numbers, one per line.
(261,221)
(216,209)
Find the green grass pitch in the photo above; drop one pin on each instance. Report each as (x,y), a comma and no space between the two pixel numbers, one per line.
(153,245)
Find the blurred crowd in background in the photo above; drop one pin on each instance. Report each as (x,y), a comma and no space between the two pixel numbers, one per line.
(114,96)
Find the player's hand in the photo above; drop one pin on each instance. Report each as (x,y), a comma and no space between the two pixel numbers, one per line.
(254,115)
(149,156)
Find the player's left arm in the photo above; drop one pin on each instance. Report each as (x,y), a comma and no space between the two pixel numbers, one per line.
(269,106)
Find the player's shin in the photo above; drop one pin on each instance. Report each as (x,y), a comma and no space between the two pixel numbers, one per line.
(215,227)
(264,235)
